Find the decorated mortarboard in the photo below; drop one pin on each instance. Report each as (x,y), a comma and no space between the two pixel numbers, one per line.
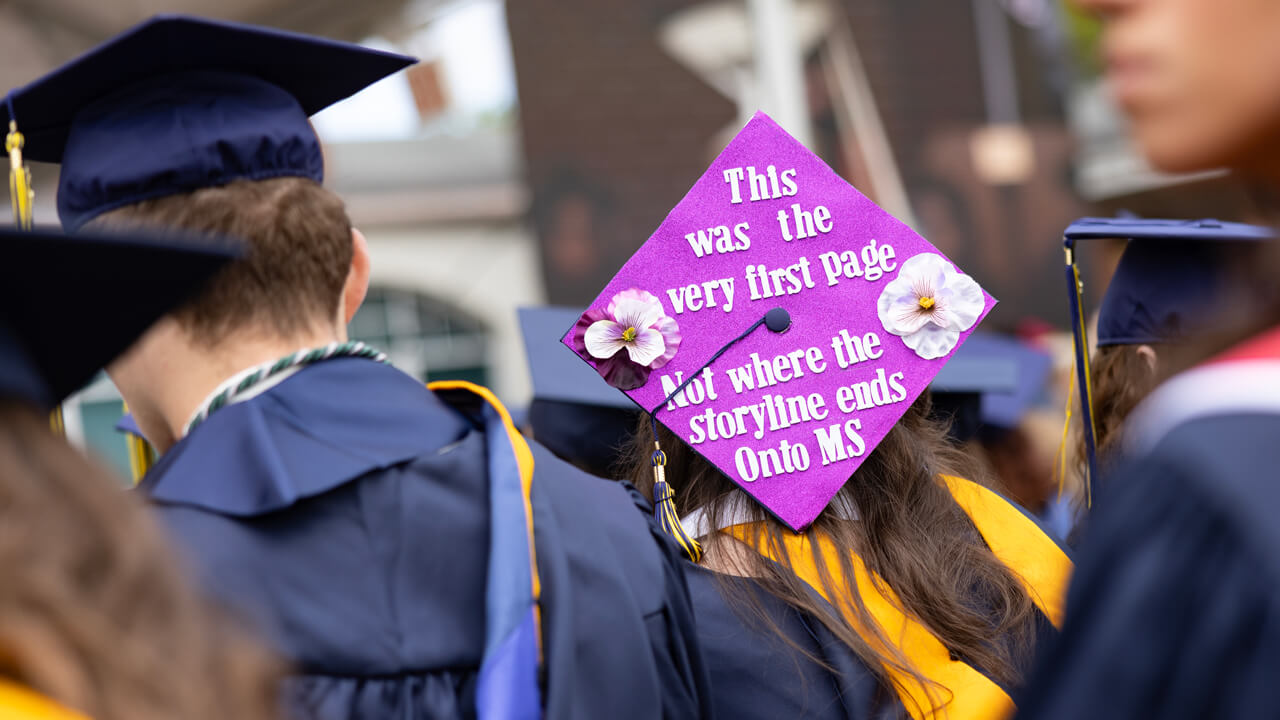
(574,412)
(778,322)
(1165,288)
(180,103)
(51,344)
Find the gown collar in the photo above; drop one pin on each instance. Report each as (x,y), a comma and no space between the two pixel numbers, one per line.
(322,427)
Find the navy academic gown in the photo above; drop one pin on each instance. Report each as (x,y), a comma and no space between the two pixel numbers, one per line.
(811,674)
(345,512)
(1174,611)
(757,674)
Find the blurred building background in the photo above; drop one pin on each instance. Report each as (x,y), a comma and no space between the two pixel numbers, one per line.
(541,141)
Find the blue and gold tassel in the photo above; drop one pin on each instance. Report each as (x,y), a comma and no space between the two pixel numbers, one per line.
(664,506)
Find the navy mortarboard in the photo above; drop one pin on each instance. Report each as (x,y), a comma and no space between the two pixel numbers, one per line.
(53,343)
(179,103)
(1163,293)
(1004,410)
(962,388)
(995,380)
(574,412)
(1165,289)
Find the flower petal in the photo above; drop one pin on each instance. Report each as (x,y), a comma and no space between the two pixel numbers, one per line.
(621,373)
(927,267)
(896,297)
(931,341)
(942,316)
(636,313)
(963,300)
(603,339)
(578,338)
(647,347)
(909,317)
(643,296)
(671,337)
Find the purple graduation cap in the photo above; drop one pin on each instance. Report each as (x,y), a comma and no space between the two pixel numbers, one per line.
(694,327)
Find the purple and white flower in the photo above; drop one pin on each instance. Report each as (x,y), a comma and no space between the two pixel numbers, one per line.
(929,304)
(629,338)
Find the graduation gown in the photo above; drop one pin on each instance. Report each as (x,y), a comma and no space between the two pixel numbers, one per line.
(811,673)
(1175,609)
(755,673)
(345,512)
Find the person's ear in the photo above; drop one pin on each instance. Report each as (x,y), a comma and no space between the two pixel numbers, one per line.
(357,279)
(1148,353)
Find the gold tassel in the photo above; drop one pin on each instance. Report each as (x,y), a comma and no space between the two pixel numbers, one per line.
(664,507)
(21,193)
(141,455)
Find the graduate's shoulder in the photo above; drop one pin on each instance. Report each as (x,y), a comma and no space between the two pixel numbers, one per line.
(604,524)
(1223,467)
(789,665)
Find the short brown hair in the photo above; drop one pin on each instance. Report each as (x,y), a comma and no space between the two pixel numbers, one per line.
(299,253)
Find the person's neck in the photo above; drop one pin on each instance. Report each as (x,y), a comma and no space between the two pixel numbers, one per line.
(189,374)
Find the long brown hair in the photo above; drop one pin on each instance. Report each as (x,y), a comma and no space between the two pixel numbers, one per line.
(1121,378)
(908,530)
(94,612)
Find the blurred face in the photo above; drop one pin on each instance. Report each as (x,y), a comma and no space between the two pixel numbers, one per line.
(1200,80)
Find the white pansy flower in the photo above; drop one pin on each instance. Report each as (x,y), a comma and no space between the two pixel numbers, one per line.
(929,304)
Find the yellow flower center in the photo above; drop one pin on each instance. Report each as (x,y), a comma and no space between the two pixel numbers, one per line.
(926,303)
(629,335)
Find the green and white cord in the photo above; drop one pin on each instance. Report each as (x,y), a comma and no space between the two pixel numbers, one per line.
(233,390)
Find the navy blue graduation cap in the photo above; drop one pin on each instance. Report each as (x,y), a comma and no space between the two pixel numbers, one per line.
(1167,280)
(960,389)
(1004,410)
(180,103)
(113,288)
(1162,294)
(574,413)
